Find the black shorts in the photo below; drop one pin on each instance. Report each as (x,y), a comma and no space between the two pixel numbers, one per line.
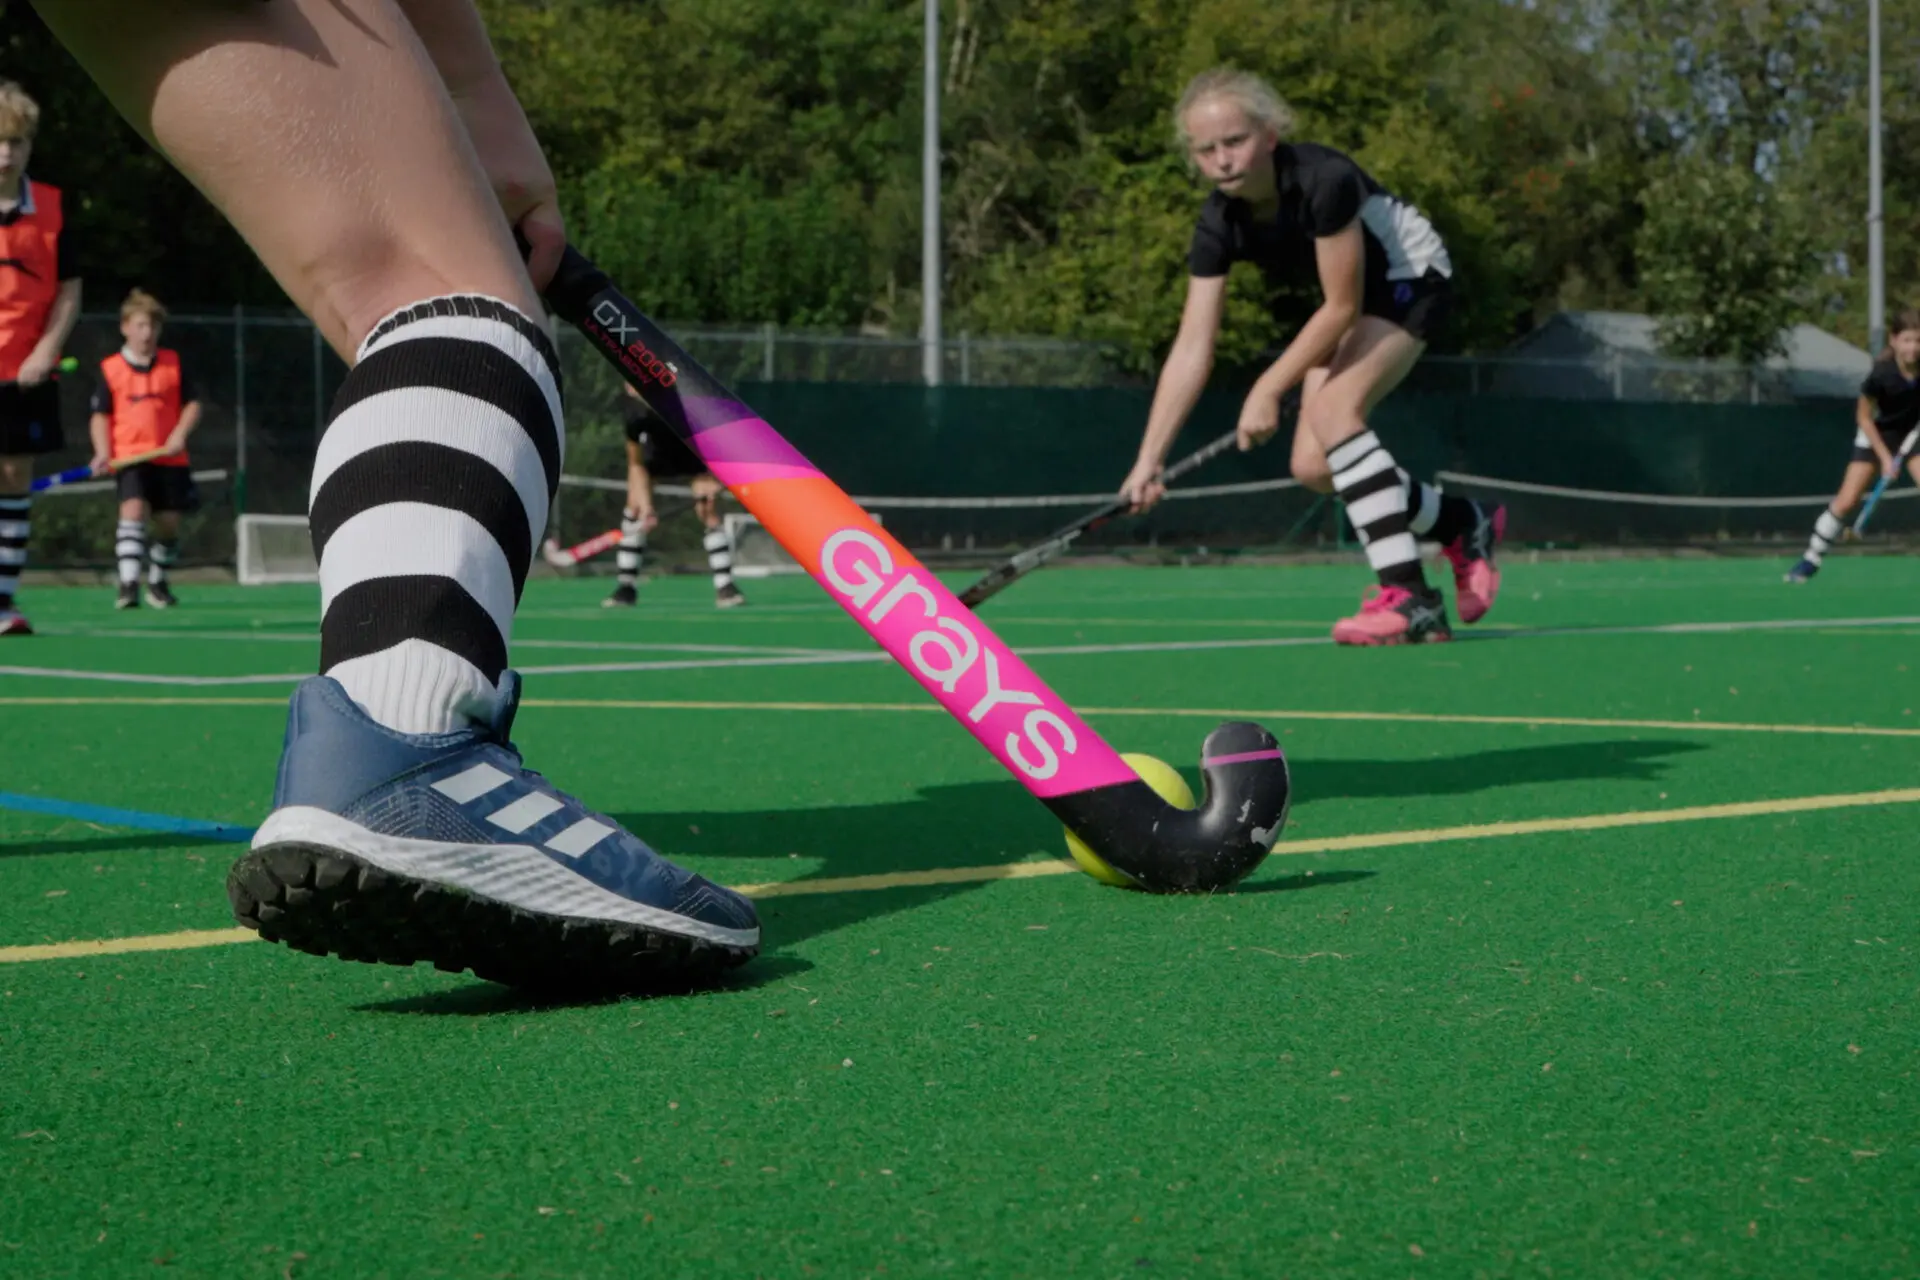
(1863,452)
(1418,306)
(30,419)
(662,453)
(164,488)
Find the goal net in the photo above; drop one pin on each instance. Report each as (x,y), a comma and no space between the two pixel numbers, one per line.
(270,549)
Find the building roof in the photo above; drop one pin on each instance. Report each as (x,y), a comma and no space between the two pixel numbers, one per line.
(1816,363)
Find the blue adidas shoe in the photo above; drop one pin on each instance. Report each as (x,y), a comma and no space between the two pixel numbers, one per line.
(1802,572)
(397,848)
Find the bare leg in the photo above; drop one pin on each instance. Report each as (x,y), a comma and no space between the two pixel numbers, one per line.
(322,131)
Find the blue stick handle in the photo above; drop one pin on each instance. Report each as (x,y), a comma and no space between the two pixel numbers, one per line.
(1873,499)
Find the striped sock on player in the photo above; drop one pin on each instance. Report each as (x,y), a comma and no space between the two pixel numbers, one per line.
(430,492)
(1368,481)
(1435,516)
(162,557)
(631,550)
(719,557)
(130,550)
(16,527)
(1826,531)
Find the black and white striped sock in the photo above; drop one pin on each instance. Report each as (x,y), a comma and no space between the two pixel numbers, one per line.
(430,492)
(719,557)
(1368,481)
(161,557)
(631,549)
(1827,530)
(130,549)
(1437,516)
(15,529)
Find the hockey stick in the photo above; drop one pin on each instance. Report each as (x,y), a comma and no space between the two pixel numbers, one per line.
(74,475)
(1859,529)
(969,670)
(566,557)
(1025,562)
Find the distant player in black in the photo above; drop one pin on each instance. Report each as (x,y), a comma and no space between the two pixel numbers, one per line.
(1303,212)
(655,453)
(1887,418)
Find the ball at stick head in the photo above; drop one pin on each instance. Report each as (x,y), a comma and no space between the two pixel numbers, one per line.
(1166,783)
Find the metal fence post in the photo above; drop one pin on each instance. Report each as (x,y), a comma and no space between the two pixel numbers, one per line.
(239,410)
(769,334)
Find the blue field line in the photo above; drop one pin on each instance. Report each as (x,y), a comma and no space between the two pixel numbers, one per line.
(107,816)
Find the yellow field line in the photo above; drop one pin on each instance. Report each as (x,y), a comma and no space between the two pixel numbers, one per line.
(1204,713)
(1029,870)
(191,940)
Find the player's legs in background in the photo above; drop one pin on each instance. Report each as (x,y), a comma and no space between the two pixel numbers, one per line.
(632,550)
(130,543)
(405,826)
(719,546)
(162,555)
(1832,524)
(1370,361)
(16,507)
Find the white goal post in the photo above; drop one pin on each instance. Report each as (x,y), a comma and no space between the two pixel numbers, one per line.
(273,549)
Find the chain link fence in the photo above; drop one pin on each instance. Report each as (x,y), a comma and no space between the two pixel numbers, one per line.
(265,381)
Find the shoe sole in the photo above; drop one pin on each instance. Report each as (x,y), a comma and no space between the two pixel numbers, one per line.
(324,900)
(1388,642)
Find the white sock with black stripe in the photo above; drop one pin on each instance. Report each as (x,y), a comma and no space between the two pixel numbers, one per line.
(719,557)
(160,558)
(1368,481)
(430,491)
(1827,530)
(631,549)
(16,527)
(130,550)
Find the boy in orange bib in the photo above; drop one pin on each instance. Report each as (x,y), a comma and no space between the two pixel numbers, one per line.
(144,401)
(39,302)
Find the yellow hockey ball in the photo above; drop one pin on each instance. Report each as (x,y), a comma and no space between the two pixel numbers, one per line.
(1166,783)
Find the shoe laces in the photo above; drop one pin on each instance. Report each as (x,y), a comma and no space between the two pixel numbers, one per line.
(1384,599)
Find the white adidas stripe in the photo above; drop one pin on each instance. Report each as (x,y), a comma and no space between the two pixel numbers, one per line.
(471,784)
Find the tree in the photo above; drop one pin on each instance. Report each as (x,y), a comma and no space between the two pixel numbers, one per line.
(1722,263)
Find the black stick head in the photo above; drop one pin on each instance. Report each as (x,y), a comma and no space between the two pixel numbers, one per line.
(1167,850)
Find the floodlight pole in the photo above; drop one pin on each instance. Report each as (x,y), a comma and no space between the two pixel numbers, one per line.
(930,201)
(1876,213)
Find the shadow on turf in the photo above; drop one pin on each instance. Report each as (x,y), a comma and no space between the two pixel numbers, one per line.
(989,823)
(479,999)
(1623,760)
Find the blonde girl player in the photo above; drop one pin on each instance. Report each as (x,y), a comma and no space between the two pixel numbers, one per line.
(373,155)
(656,453)
(143,402)
(1887,422)
(1294,210)
(39,302)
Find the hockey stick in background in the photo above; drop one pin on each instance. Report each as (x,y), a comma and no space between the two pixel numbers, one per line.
(1025,562)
